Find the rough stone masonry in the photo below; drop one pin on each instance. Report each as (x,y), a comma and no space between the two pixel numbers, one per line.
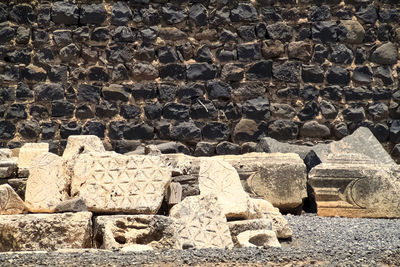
(210,74)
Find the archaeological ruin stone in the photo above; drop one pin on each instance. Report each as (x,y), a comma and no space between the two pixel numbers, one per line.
(78,144)
(10,202)
(174,193)
(279,178)
(71,205)
(126,231)
(47,183)
(219,178)
(237,227)
(201,223)
(111,182)
(28,152)
(45,231)
(258,238)
(8,167)
(354,185)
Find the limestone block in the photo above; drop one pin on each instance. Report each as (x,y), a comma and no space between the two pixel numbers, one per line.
(29,151)
(128,231)
(221,179)
(47,183)
(78,144)
(5,153)
(354,185)
(111,182)
(258,238)
(45,231)
(201,223)
(237,227)
(136,248)
(10,202)
(276,177)
(174,193)
(8,167)
(280,225)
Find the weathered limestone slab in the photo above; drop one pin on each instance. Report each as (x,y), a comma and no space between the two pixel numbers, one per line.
(237,227)
(270,145)
(129,231)
(47,183)
(221,179)
(29,151)
(45,231)
(78,144)
(201,223)
(354,185)
(280,225)
(174,193)
(258,238)
(8,167)
(279,178)
(5,153)
(111,182)
(10,202)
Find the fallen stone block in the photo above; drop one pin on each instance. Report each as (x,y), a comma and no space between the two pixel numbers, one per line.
(8,167)
(258,238)
(174,193)
(29,151)
(130,231)
(78,144)
(111,182)
(18,184)
(45,231)
(189,183)
(219,178)
(354,185)
(10,202)
(47,184)
(5,153)
(279,178)
(72,205)
(201,223)
(237,227)
(280,225)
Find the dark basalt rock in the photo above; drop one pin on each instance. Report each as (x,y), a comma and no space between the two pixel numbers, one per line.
(338,75)
(84,111)
(92,14)
(178,71)
(218,90)
(205,149)
(29,129)
(283,130)
(16,111)
(116,92)
(309,112)
(22,14)
(106,109)
(62,108)
(358,93)
(260,70)
(97,73)
(153,111)
(39,112)
(167,54)
(116,129)
(89,93)
(175,111)
(172,14)
(7,94)
(190,91)
(247,33)
(48,130)
(354,114)
(256,109)
(215,131)
(362,75)
(280,31)
(203,109)
(244,12)
(23,91)
(312,74)
(7,130)
(288,71)
(200,71)
(367,13)
(120,34)
(324,31)
(48,92)
(309,92)
(198,14)
(70,128)
(185,131)
(341,54)
(65,13)
(121,14)
(94,128)
(130,111)
(319,13)
(140,131)
(6,34)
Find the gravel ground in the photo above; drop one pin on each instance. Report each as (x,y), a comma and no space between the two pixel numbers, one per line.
(316,241)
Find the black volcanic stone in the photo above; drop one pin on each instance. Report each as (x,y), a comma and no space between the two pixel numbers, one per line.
(283,130)
(312,74)
(227,148)
(48,92)
(32,73)
(23,35)
(58,73)
(92,14)
(320,53)
(189,91)
(84,111)
(244,12)
(309,92)
(378,111)
(338,75)
(261,30)
(153,111)
(185,131)
(385,74)
(215,131)
(362,74)
(16,111)
(167,92)
(248,52)
(360,56)
(218,90)
(167,54)
(61,108)
(173,72)
(395,132)
(260,70)
(333,92)
(381,132)
(231,111)
(7,130)
(280,31)
(98,74)
(309,111)
(354,114)
(62,37)
(7,93)
(175,111)
(119,53)
(367,13)
(89,93)
(6,34)
(40,37)
(172,14)
(39,112)
(69,53)
(328,110)
(144,90)
(201,71)
(150,16)
(65,13)
(271,14)
(227,36)
(256,109)
(22,14)
(29,129)
(204,54)
(130,111)
(19,56)
(247,33)
(48,130)
(203,109)
(341,54)
(94,128)
(319,13)
(123,34)
(324,31)
(121,14)
(116,130)
(11,73)
(288,71)
(23,91)
(106,109)
(3,12)
(102,34)
(70,128)
(205,149)
(198,14)
(145,52)
(140,131)
(358,93)
(116,92)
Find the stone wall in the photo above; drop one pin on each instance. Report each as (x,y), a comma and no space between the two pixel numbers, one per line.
(218,71)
